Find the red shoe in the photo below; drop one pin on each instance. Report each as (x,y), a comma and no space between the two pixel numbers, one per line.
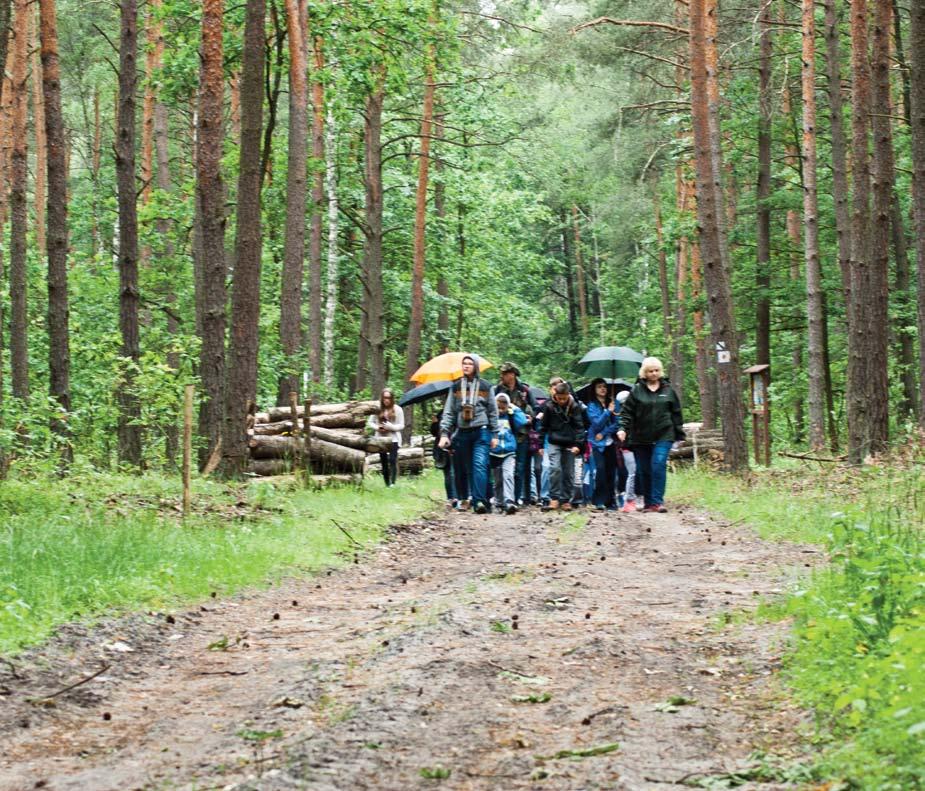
(655,509)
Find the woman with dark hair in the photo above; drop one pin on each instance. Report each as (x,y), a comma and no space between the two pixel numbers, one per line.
(389,421)
(602,413)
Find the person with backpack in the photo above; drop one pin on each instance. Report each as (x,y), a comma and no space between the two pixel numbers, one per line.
(561,420)
(511,419)
(472,414)
(519,395)
(650,423)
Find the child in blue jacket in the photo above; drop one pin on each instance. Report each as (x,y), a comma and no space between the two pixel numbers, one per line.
(503,458)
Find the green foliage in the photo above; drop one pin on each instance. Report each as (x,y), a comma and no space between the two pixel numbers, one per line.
(857,655)
(93,544)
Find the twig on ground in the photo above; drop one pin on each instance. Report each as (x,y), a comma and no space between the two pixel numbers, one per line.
(222,673)
(11,666)
(99,672)
(807,457)
(509,669)
(344,531)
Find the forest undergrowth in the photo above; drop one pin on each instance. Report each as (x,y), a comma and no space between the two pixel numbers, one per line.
(75,548)
(856,655)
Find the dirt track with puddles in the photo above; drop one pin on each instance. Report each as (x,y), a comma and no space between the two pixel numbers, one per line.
(534,651)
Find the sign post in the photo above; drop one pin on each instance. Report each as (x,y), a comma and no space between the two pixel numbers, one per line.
(760,376)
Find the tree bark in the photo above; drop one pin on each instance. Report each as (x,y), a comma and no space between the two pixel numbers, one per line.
(19,174)
(241,388)
(663,288)
(905,340)
(330,308)
(416,321)
(210,198)
(704,112)
(839,150)
(580,278)
(129,405)
(859,331)
(814,305)
(314,255)
(705,379)
(39,190)
(372,253)
(290,302)
(763,231)
(6,8)
(917,85)
(59,354)
(878,380)
(569,280)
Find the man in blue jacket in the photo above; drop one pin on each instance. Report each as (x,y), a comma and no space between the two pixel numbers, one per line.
(470,416)
(511,420)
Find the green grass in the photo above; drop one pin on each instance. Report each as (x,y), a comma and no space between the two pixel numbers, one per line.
(857,652)
(91,544)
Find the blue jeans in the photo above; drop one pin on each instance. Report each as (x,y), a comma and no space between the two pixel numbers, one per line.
(561,473)
(472,447)
(521,466)
(652,470)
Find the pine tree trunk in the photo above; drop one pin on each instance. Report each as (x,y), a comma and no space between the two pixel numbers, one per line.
(416,321)
(905,340)
(19,175)
(763,231)
(704,112)
(59,354)
(705,379)
(290,302)
(859,331)
(372,253)
(663,289)
(917,85)
(682,258)
(569,280)
(330,309)
(314,254)
(129,405)
(210,199)
(839,150)
(241,388)
(443,287)
(40,193)
(814,306)
(580,279)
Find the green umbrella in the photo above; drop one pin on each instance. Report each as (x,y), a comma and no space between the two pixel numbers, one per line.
(611,362)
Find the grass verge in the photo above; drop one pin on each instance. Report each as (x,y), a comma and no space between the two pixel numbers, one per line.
(79,547)
(857,653)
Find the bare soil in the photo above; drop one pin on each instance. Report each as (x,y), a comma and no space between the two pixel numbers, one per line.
(467,652)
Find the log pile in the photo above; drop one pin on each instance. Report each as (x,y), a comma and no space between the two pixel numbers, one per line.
(338,442)
(699,444)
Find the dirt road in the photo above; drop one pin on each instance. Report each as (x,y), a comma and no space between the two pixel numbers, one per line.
(467,652)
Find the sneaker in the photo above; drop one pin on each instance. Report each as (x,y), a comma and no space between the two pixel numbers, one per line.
(552,505)
(656,509)
(600,507)
(566,506)
(640,504)
(480,508)
(465,505)
(511,509)
(629,507)
(453,504)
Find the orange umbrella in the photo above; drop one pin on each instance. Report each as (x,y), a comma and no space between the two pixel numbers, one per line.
(445,366)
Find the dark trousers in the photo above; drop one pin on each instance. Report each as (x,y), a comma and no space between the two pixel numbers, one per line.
(521,466)
(605,475)
(389,461)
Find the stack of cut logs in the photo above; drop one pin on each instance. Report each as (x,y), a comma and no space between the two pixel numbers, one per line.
(700,443)
(336,444)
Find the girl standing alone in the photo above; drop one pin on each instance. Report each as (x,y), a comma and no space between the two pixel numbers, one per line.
(389,421)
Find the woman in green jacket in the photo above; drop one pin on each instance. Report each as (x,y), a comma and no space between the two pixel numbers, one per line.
(650,423)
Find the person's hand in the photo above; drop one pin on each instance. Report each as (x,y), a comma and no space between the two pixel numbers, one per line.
(575,451)
(539,452)
(613,407)
(494,443)
(621,435)
(444,442)
(598,437)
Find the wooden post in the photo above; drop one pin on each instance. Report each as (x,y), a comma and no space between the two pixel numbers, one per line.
(307,434)
(187,447)
(294,411)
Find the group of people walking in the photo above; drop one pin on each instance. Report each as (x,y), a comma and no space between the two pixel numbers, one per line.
(500,446)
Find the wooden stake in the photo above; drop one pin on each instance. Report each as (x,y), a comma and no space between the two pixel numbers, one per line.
(306,432)
(294,410)
(187,447)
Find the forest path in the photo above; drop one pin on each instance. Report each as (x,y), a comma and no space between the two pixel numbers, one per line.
(407,664)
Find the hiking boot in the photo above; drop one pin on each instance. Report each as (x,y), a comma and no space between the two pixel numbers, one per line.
(480,508)
(552,505)
(566,506)
(655,509)
(600,507)
(511,509)
(629,507)
(465,505)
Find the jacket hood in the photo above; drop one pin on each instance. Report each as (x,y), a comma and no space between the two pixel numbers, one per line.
(475,362)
